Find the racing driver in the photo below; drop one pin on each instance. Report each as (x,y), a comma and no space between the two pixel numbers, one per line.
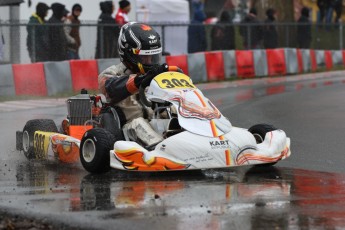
(140,50)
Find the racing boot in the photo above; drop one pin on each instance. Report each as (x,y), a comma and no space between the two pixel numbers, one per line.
(140,131)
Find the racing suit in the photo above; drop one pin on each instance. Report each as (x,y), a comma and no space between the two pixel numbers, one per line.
(117,84)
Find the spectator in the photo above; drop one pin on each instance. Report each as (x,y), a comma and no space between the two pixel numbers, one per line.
(121,17)
(304,29)
(72,32)
(65,14)
(270,33)
(107,32)
(251,30)
(338,8)
(223,34)
(56,34)
(196,31)
(329,12)
(323,5)
(37,39)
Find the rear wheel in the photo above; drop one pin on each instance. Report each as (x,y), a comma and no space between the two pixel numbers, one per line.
(46,125)
(94,150)
(259,132)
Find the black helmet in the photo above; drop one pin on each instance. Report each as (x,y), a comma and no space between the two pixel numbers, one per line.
(139,47)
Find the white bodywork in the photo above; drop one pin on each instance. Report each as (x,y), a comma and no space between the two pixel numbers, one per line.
(209,140)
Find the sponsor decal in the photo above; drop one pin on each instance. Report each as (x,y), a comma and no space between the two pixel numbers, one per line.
(66,150)
(136,51)
(200,159)
(148,52)
(153,41)
(221,144)
(152,37)
(146,27)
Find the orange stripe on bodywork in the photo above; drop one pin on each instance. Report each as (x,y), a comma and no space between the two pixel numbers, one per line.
(227,153)
(213,125)
(214,128)
(200,98)
(251,156)
(133,159)
(130,85)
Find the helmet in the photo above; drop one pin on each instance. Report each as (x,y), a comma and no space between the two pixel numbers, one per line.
(139,47)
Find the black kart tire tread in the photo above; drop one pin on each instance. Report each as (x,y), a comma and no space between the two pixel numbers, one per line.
(261,130)
(31,126)
(109,124)
(104,141)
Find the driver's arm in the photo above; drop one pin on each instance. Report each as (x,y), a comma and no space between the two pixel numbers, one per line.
(119,88)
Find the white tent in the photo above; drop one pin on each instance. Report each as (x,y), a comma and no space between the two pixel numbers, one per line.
(167,12)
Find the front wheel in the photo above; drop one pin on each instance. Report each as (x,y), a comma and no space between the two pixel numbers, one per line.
(259,132)
(94,150)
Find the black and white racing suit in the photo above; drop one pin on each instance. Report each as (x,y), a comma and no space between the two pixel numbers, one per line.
(117,84)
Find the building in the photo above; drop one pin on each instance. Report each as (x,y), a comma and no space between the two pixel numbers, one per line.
(9,36)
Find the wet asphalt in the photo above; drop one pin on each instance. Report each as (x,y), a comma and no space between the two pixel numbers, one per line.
(305,191)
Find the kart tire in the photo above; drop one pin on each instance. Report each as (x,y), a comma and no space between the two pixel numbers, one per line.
(94,149)
(46,125)
(108,122)
(259,132)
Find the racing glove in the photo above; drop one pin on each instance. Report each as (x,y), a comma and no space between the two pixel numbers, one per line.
(154,71)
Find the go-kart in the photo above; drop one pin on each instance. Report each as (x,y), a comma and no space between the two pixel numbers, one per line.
(196,134)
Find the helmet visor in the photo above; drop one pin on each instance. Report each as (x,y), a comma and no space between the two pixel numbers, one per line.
(150,57)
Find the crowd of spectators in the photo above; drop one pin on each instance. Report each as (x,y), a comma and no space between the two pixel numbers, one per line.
(256,33)
(60,40)
(326,10)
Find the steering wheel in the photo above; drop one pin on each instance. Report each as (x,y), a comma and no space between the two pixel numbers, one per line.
(147,82)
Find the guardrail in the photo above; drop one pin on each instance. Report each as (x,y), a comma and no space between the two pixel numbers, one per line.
(51,78)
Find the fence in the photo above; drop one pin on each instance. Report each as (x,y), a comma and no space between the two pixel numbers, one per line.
(13,48)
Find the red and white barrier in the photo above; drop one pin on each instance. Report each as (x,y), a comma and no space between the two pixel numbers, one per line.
(29,79)
(51,78)
(84,74)
(276,62)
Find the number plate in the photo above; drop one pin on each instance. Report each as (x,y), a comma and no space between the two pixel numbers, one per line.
(174,80)
(41,144)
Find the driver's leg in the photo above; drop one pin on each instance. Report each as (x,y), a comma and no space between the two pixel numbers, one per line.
(144,132)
